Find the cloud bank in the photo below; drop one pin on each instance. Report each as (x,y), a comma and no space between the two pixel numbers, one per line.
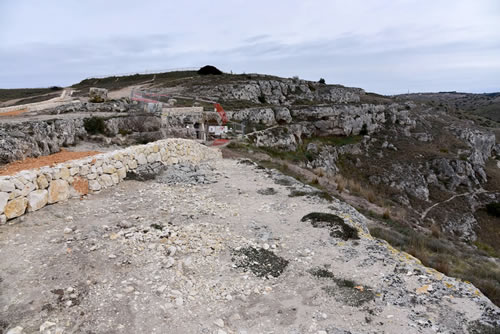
(380,46)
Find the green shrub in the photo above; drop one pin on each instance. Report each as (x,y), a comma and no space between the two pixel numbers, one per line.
(95,125)
(493,209)
(124,132)
(322,81)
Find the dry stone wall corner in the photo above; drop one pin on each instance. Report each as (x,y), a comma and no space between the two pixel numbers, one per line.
(31,190)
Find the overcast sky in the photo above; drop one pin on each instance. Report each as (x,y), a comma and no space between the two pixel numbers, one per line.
(384,46)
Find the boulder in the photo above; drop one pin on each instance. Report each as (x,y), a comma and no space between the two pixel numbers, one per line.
(98,95)
(282,115)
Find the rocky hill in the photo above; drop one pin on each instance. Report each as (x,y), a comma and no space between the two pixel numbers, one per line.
(424,168)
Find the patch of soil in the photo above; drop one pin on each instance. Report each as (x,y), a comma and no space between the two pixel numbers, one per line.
(338,228)
(261,262)
(48,160)
(14,113)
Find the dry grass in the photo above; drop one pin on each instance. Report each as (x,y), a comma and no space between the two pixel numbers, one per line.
(435,231)
(443,256)
(356,188)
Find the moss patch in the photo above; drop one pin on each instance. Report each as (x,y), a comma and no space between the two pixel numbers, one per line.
(338,228)
(320,194)
(261,262)
(346,290)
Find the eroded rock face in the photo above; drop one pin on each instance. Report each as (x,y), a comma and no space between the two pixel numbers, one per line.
(33,139)
(278,138)
(279,92)
(254,115)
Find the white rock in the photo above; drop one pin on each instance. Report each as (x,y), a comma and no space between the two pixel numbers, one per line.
(4,198)
(6,186)
(129,289)
(219,322)
(170,262)
(16,330)
(94,185)
(37,199)
(172,250)
(67,230)
(46,325)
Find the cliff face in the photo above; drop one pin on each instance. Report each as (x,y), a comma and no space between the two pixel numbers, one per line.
(32,139)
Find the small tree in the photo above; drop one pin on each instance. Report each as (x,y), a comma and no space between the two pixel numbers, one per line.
(322,81)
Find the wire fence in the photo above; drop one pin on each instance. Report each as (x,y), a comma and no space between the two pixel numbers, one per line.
(178,69)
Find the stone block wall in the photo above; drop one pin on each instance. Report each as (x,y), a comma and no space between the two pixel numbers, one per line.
(31,190)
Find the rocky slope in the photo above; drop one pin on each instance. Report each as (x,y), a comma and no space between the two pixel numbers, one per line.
(421,160)
(249,251)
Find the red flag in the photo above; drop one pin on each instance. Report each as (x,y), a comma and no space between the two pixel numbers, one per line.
(221,112)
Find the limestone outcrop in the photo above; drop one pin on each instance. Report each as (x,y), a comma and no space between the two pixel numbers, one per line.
(278,92)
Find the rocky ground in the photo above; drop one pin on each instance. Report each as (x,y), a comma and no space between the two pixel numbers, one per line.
(224,248)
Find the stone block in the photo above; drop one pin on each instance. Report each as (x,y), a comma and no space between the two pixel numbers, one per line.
(81,185)
(4,198)
(141,159)
(122,173)
(108,169)
(73,171)
(28,187)
(63,173)
(37,199)
(106,180)
(18,183)
(94,185)
(42,182)
(58,191)
(6,186)
(115,178)
(16,207)
(153,157)
(84,170)
(132,163)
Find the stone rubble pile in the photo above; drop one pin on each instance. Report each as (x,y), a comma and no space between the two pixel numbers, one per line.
(187,174)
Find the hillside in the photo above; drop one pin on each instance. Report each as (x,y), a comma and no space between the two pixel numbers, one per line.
(424,168)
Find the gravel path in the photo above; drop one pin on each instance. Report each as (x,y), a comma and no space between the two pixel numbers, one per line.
(254,252)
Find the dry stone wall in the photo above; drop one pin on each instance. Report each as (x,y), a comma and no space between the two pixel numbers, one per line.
(31,190)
